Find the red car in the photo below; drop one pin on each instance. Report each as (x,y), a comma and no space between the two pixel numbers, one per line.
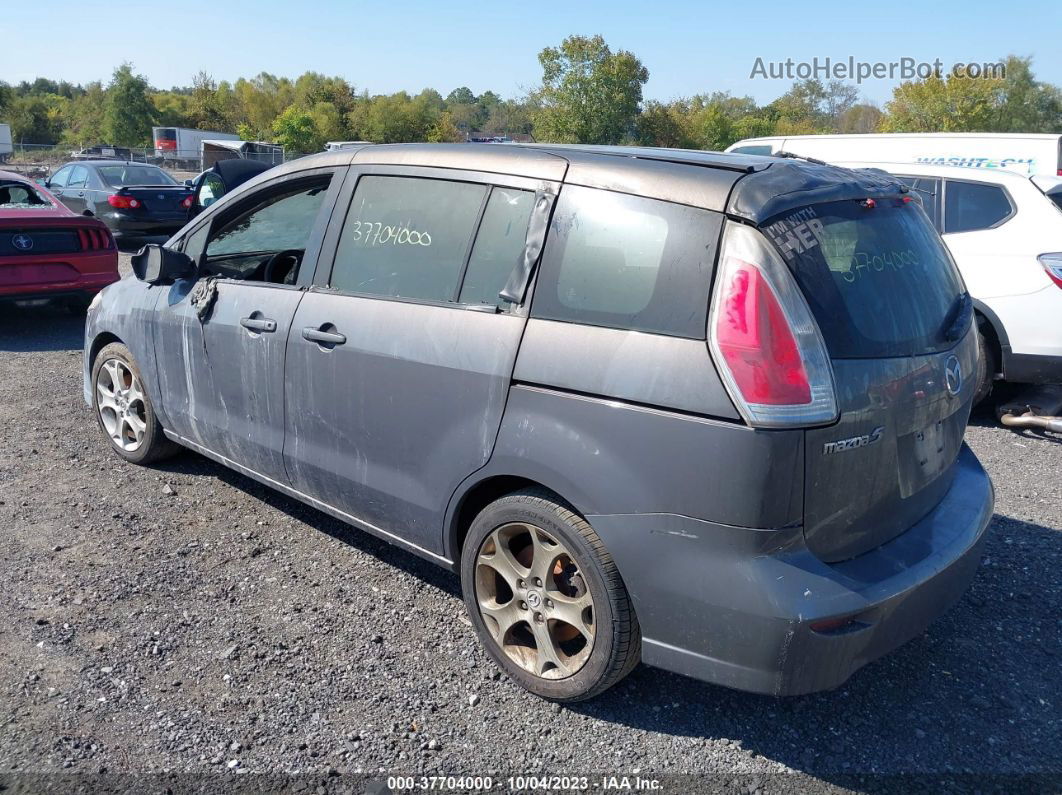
(48,251)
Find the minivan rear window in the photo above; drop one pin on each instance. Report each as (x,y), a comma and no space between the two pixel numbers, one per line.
(876,275)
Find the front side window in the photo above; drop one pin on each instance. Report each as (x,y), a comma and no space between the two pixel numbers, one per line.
(281,222)
(627,262)
(407,237)
(60,177)
(971,206)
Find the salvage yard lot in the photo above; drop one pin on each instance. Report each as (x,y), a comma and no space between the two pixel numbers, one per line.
(186,618)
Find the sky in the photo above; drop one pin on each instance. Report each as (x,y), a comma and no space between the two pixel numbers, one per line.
(688,47)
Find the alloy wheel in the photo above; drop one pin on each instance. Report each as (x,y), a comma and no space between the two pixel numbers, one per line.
(535,600)
(121,405)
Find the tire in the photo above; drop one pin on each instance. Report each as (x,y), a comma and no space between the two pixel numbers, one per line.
(986,368)
(77,306)
(125,415)
(582,582)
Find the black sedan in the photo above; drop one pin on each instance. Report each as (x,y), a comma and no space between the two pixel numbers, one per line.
(131,198)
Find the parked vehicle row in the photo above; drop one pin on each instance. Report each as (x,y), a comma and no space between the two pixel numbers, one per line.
(651,405)
(48,251)
(131,198)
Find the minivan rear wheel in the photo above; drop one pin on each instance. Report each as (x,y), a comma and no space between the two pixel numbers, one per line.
(546,598)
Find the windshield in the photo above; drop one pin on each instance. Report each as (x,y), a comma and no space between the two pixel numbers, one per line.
(875,273)
(21,196)
(117,176)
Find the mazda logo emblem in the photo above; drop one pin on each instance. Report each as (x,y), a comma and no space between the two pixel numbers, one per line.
(953,375)
(22,242)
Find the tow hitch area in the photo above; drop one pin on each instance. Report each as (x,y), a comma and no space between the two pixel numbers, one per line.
(1038,407)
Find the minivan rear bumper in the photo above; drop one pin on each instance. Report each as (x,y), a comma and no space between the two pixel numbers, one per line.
(736,606)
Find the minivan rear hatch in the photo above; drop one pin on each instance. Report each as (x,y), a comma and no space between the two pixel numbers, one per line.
(896,321)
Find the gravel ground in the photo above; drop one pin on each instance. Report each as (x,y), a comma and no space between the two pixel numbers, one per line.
(185,618)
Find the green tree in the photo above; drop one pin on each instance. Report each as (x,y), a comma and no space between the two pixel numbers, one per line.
(1027,105)
(84,117)
(861,118)
(660,124)
(588,94)
(36,119)
(444,130)
(948,104)
(460,96)
(204,109)
(328,122)
(128,113)
(295,129)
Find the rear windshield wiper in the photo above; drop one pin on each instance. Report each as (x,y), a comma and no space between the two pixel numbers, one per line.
(958,317)
(793,156)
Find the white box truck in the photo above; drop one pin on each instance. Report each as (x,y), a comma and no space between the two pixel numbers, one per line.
(181,146)
(5,142)
(1030,154)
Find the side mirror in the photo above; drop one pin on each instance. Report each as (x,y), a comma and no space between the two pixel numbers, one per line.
(157,264)
(188,183)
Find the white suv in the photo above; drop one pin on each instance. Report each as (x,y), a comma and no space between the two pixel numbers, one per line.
(1004,231)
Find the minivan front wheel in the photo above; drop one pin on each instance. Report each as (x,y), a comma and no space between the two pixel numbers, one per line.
(546,598)
(123,407)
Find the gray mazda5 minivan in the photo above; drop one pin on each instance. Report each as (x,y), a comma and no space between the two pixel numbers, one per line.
(700,410)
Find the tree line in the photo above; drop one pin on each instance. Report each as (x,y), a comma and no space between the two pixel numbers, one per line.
(587,93)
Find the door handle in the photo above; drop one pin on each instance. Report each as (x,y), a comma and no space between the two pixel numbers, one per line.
(324,337)
(258,324)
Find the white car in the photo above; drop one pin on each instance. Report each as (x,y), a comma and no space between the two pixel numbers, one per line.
(1004,231)
(1026,153)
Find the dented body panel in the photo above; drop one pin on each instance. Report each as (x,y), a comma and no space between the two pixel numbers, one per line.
(393,414)
(386,425)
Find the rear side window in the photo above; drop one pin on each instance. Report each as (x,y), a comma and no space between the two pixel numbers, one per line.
(499,246)
(627,262)
(78,177)
(16,195)
(878,280)
(407,237)
(970,206)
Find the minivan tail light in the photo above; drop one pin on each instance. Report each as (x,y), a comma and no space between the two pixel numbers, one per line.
(766,343)
(1052,263)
